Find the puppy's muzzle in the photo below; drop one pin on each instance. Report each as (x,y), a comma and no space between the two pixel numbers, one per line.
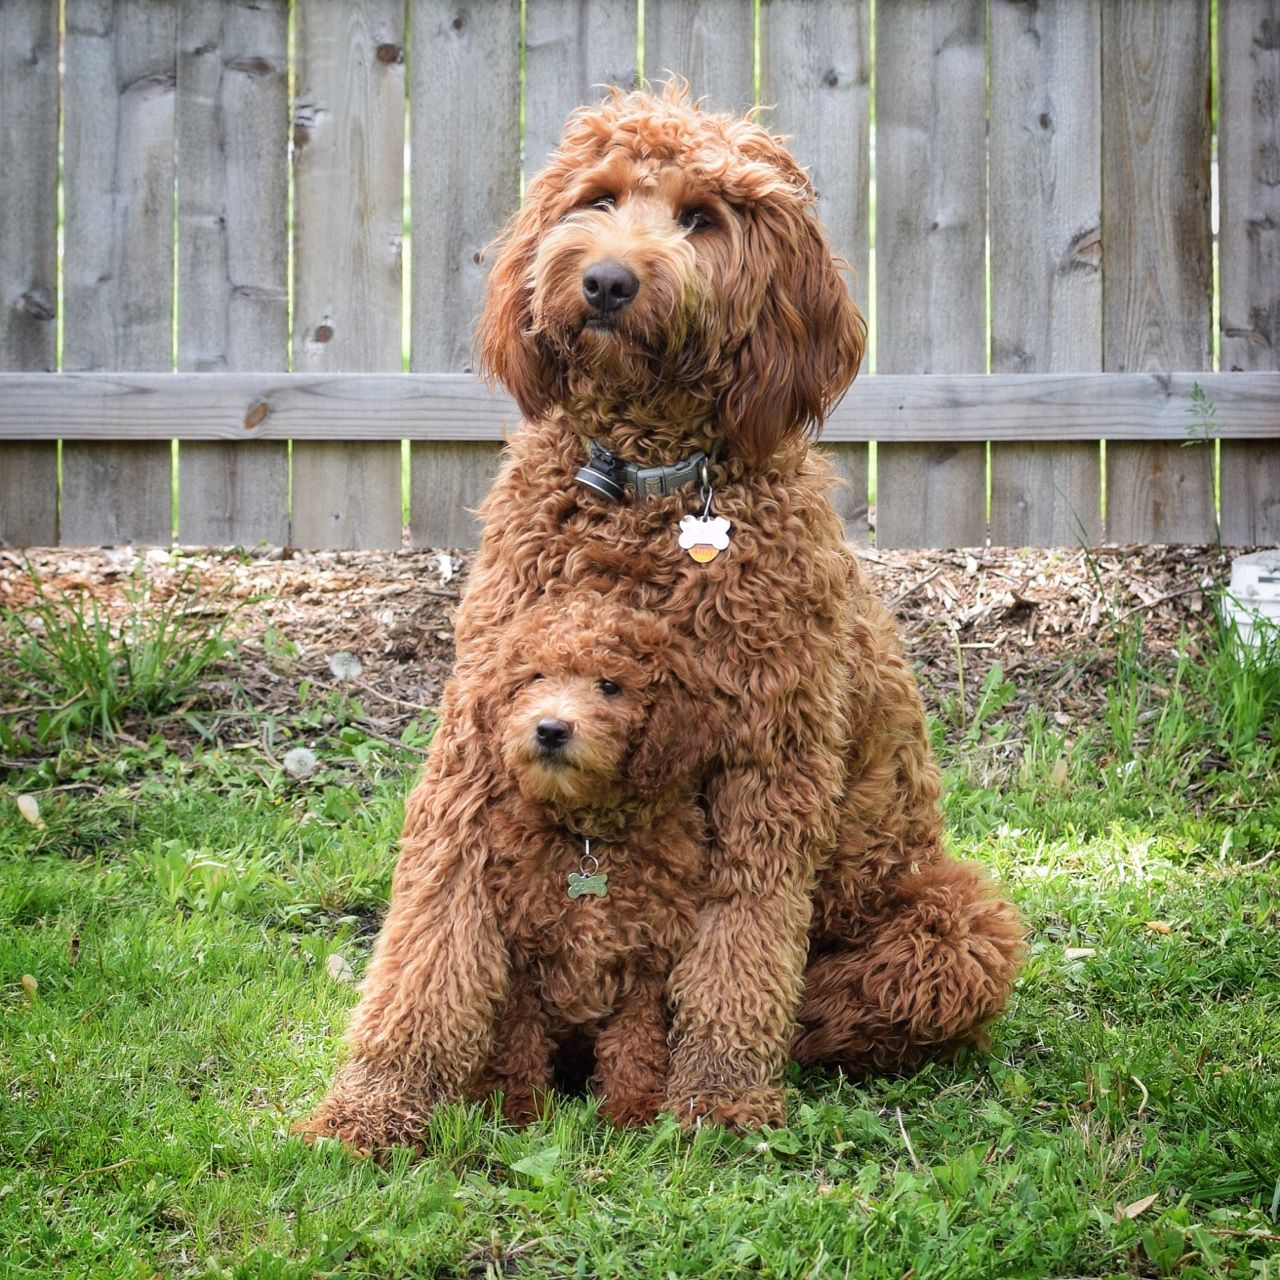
(608,286)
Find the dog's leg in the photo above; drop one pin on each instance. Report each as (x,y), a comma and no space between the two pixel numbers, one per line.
(925,976)
(632,1057)
(439,972)
(424,1023)
(520,1063)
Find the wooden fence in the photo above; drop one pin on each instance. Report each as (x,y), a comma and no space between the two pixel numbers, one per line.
(1042,276)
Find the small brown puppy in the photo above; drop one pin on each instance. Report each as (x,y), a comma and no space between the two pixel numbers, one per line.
(598,885)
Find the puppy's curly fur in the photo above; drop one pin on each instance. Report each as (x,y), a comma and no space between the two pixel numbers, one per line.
(605,737)
(833,927)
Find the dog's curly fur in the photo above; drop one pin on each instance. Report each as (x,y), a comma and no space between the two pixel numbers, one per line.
(832,925)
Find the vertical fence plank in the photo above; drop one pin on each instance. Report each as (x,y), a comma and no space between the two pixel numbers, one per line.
(571,48)
(348,137)
(1249,249)
(1157,261)
(815,69)
(232,128)
(457,209)
(931,235)
(711,43)
(28,252)
(118,266)
(1046,246)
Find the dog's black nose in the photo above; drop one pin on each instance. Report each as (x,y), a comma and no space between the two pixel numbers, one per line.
(552,733)
(608,285)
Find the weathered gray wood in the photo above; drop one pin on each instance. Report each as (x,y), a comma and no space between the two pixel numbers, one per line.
(1046,248)
(118,263)
(710,43)
(348,138)
(455,407)
(457,210)
(1157,249)
(849,495)
(572,47)
(930,247)
(28,494)
(353,495)
(447,482)
(232,126)
(815,70)
(465,178)
(1250,492)
(1249,248)
(117,494)
(28,252)
(29,187)
(1046,494)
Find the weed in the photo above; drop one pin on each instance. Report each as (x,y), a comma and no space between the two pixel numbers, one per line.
(84,673)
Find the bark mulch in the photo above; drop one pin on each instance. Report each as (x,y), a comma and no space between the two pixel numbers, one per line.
(1048,618)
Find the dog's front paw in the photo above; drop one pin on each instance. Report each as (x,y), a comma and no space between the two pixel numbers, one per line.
(366,1114)
(748,1109)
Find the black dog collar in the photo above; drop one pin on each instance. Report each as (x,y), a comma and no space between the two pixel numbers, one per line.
(611,476)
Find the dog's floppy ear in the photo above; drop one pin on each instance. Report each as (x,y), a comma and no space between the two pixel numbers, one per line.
(807,341)
(678,736)
(505,344)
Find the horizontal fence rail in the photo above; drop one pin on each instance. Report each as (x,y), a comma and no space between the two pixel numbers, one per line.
(445,406)
(1024,193)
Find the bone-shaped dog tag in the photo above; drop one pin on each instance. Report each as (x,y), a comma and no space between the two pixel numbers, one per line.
(581,885)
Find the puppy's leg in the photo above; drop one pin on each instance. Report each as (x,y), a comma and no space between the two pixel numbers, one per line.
(927,975)
(632,1057)
(520,1064)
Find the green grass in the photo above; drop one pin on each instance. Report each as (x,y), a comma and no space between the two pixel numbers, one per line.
(167,1006)
(85,672)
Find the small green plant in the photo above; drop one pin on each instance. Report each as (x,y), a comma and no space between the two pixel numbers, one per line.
(1204,424)
(76,670)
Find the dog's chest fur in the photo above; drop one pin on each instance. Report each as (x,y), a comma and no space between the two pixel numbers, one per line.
(586,953)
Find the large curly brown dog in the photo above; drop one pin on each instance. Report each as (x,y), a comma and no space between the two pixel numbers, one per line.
(665,290)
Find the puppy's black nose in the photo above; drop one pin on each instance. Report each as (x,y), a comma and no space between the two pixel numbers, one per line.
(552,734)
(608,285)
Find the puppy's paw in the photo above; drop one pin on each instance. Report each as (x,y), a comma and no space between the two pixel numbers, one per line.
(748,1109)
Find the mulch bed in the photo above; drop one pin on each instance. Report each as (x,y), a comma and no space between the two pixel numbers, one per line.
(1048,618)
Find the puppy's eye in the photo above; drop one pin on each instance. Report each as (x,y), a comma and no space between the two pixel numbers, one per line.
(604,201)
(609,689)
(697,219)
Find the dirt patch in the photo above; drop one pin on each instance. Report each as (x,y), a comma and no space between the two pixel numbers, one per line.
(1047,618)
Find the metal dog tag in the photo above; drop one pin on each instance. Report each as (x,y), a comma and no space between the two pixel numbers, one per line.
(588,879)
(582,885)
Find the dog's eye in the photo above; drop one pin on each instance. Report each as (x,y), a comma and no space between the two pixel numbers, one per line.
(609,689)
(602,202)
(697,219)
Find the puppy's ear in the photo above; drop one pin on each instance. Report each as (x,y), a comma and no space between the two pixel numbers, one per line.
(678,737)
(506,347)
(807,341)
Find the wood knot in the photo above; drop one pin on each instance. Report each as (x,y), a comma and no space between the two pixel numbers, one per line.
(36,306)
(390,54)
(258,413)
(324,332)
